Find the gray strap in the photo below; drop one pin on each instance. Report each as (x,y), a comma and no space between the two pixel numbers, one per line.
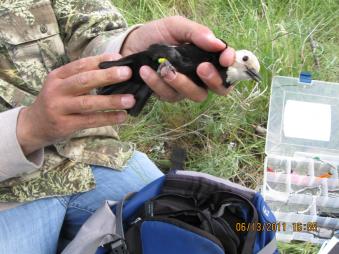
(98,230)
(101,228)
(119,219)
(269,248)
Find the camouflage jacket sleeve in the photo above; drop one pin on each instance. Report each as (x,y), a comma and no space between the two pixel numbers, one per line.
(88,27)
(12,160)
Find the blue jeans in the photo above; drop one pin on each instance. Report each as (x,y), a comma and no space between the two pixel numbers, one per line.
(35,227)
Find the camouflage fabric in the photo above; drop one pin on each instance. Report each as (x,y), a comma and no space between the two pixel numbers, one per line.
(37,36)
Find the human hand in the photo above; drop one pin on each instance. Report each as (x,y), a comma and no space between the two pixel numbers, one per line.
(65,106)
(177,30)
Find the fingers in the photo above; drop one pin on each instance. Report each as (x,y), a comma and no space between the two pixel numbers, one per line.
(227,57)
(183,85)
(209,74)
(159,87)
(84,82)
(83,65)
(91,120)
(93,103)
(185,30)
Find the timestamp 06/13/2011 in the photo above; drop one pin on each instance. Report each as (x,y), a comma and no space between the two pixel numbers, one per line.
(278,227)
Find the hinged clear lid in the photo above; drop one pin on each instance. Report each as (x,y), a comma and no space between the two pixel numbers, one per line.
(303,118)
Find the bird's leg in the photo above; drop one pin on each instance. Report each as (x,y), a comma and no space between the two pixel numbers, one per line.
(165,67)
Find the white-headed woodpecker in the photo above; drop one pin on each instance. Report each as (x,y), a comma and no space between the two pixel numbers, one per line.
(185,59)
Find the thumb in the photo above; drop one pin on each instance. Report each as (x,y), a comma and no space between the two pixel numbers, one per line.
(184,30)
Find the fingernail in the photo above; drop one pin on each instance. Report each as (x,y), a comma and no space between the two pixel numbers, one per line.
(121,117)
(144,72)
(170,76)
(128,100)
(206,71)
(124,72)
(220,42)
(212,38)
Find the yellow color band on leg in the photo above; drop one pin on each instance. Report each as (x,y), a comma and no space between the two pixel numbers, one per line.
(162,60)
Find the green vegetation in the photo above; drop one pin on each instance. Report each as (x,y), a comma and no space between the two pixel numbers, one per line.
(297,248)
(218,133)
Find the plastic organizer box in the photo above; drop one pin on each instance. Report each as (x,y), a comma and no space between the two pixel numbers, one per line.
(301,182)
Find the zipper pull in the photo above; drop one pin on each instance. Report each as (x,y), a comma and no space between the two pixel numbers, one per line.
(136,221)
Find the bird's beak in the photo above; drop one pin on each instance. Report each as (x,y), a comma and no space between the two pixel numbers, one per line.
(253,74)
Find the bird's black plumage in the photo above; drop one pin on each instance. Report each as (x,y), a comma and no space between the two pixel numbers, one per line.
(184,58)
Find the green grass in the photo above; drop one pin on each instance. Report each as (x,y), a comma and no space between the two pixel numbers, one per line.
(218,133)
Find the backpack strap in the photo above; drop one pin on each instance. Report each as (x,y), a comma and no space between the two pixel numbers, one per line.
(118,246)
(270,248)
(102,228)
(99,229)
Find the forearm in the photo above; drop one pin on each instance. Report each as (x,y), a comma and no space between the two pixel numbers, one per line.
(13,161)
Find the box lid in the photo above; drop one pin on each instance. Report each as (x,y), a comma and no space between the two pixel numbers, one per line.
(303,118)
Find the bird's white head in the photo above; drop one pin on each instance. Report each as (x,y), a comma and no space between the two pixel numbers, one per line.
(246,66)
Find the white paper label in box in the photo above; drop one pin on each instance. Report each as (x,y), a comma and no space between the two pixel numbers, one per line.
(307,120)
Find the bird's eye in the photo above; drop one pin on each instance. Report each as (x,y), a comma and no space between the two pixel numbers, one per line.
(245,58)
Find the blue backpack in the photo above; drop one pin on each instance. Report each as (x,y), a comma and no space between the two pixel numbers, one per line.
(182,212)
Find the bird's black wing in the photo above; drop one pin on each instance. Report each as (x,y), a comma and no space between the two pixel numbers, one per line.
(135,85)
